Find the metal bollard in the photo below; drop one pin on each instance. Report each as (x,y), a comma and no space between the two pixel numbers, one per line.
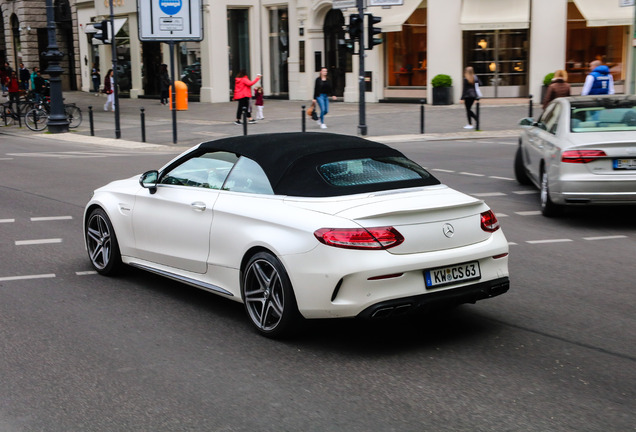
(422,102)
(17,105)
(244,121)
(143,124)
(90,119)
(530,106)
(302,119)
(477,119)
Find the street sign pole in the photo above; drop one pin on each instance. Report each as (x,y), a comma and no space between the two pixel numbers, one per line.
(362,127)
(173,94)
(113,45)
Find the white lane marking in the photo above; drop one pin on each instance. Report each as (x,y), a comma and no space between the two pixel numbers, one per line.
(7,220)
(85,273)
(50,218)
(525,192)
(472,174)
(14,278)
(605,237)
(529,213)
(501,178)
(6,159)
(442,170)
(500,215)
(548,241)
(512,244)
(489,194)
(37,242)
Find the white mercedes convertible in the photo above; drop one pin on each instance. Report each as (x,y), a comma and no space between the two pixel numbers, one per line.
(302,225)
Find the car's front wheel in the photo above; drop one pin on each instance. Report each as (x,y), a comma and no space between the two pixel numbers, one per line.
(101,243)
(548,207)
(520,171)
(268,296)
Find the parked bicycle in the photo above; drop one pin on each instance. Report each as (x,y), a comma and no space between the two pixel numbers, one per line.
(8,116)
(37,118)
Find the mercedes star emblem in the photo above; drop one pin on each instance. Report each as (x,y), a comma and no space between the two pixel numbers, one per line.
(448,230)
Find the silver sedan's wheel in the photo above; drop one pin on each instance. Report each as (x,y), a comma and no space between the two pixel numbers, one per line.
(548,208)
(268,296)
(101,243)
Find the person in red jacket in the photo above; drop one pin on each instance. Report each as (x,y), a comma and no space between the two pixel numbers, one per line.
(13,85)
(243,94)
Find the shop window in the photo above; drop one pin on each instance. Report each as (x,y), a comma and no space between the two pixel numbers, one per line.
(278,51)
(406,52)
(190,66)
(499,58)
(585,44)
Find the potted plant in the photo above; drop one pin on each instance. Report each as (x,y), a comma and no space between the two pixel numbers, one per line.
(442,89)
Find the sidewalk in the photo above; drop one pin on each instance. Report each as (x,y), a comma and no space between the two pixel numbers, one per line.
(208,121)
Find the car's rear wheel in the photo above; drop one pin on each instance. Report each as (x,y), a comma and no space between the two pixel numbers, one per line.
(548,208)
(520,171)
(268,296)
(101,243)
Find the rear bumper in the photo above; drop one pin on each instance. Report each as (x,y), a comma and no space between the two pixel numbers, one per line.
(595,189)
(422,303)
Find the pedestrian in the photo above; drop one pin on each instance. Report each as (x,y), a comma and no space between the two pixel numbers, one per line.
(13,86)
(109,89)
(96,79)
(559,87)
(258,95)
(322,91)
(39,85)
(470,93)
(164,83)
(25,77)
(5,74)
(243,94)
(34,73)
(599,81)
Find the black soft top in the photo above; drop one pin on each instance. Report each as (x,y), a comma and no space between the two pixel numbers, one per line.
(290,160)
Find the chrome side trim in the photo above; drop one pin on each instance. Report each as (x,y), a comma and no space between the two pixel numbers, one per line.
(195,283)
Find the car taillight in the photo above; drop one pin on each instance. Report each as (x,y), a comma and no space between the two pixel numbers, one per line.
(360,238)
(581,156)
(489,222)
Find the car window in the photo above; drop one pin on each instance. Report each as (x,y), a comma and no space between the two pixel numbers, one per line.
(603,118)
(366,171)
(207,170)
(247,176)
(550,118)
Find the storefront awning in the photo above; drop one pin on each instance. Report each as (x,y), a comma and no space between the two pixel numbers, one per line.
(395,16)
(495,14)
(605,13)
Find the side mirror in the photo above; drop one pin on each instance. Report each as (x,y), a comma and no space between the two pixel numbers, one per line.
(527,121)
(148,180)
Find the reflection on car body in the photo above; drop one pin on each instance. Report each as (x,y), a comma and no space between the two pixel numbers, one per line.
(302,226)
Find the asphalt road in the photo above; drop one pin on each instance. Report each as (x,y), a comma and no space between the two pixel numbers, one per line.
(81,352)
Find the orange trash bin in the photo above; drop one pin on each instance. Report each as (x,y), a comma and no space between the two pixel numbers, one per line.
(182,96)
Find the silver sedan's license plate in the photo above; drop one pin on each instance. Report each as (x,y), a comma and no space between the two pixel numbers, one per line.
(625,164)
(452,274)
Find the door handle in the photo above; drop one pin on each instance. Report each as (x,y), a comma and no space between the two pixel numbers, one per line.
(198,206)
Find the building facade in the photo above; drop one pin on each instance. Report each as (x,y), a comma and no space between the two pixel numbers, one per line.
(511,44)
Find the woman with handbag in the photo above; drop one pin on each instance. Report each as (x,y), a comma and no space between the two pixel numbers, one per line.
(109,86)
(470,92)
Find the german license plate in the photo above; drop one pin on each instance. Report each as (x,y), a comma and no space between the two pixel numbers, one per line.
(452,274)
(625,164)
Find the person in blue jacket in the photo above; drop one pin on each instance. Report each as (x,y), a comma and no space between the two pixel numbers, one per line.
(599,81)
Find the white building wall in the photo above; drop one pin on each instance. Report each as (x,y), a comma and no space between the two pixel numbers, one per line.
(444,44)
(548,29)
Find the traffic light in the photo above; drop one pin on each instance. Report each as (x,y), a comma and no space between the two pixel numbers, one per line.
(350,46)
(102,31)
(355,26)
(372,31)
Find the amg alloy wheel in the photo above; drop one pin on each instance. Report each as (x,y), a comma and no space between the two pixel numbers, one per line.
(268,296)
(101,243)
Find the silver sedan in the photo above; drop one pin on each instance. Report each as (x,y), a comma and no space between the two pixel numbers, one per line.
(581,151)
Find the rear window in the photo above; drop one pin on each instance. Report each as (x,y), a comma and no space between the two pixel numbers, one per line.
(369,171)
(603,119)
